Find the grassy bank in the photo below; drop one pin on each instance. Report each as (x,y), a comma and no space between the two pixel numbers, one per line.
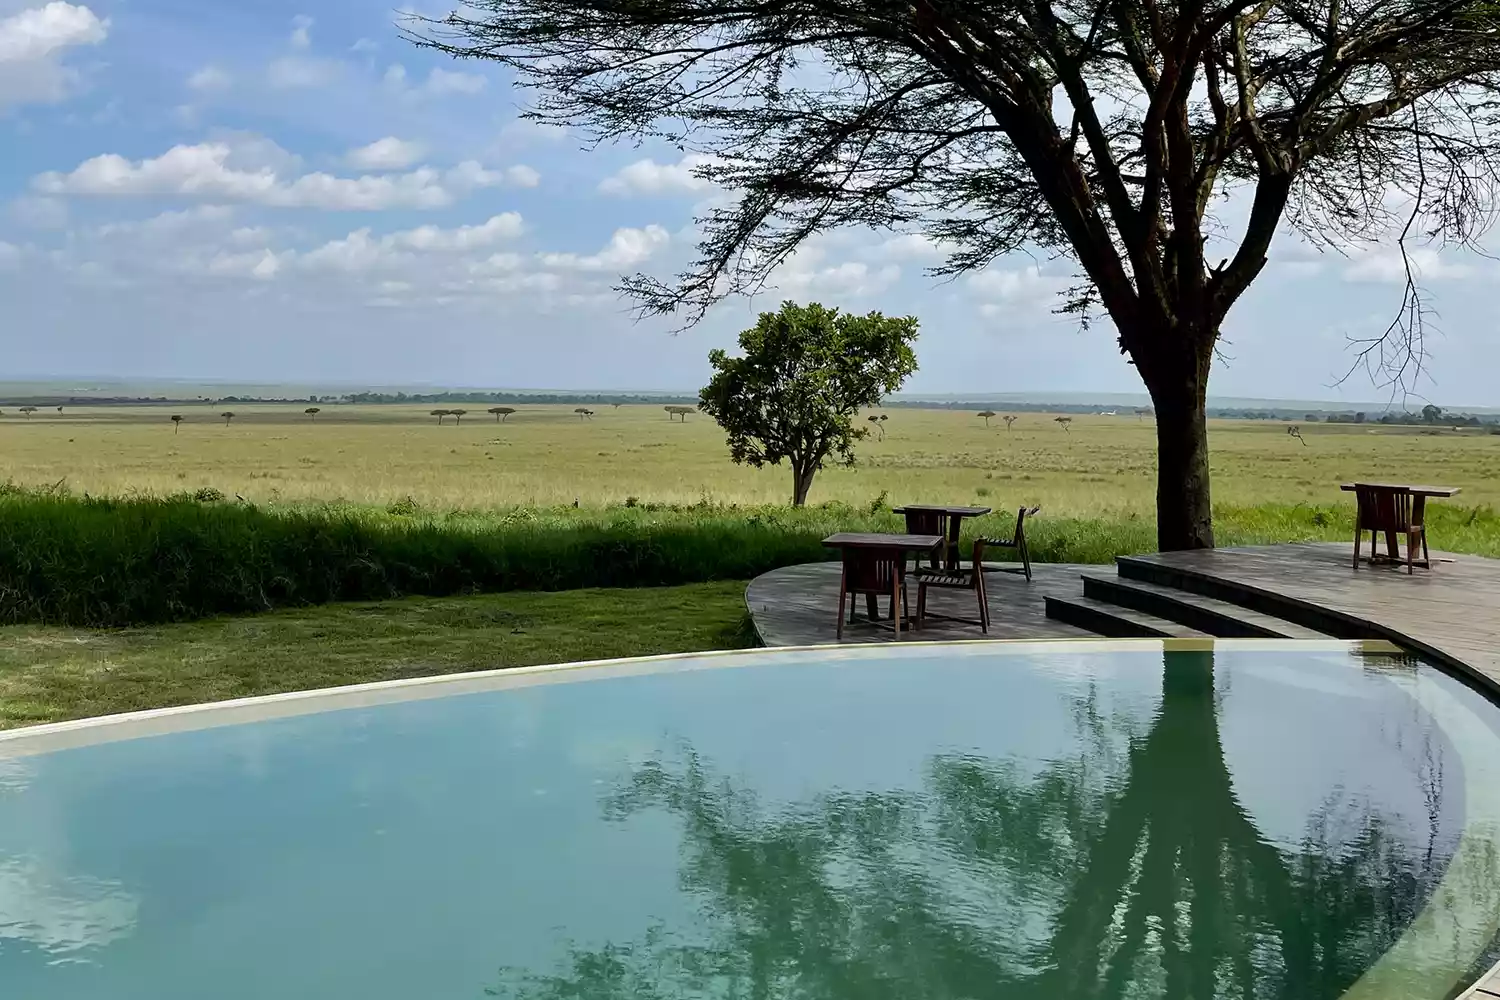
(48,674)
(68,560)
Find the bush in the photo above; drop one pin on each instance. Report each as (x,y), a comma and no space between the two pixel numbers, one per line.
(116,562)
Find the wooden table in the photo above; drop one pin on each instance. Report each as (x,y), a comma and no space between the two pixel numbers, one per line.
(1419,496)
(951,518)
(894,547)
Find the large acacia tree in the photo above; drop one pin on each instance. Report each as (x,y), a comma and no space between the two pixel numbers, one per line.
(1103,131)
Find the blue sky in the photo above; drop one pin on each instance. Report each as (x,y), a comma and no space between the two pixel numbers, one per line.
(290,192)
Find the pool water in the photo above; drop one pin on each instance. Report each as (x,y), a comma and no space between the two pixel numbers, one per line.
(1058,821)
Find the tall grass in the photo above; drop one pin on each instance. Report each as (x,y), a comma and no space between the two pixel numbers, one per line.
(125,561)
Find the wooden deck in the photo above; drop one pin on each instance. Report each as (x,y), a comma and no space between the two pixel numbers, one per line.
(1450,613)
(797,606)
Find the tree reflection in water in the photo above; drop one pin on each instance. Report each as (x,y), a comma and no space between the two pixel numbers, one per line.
(1068,883)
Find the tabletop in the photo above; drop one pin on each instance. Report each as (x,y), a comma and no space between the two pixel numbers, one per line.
(1426,491)
(875,540)
(943,509)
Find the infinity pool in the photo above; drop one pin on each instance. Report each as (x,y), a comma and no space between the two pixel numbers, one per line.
(1051,821)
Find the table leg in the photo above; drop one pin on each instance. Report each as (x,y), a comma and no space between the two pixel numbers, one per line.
(872,608)
(955,525)
(1390,546)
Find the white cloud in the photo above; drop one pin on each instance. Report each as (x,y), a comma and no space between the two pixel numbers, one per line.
(365,45)
(301,72)
(522,176)
(301,36)
(1384,264)
(10,255)
(439,82)
(647,177)
(245,170)
(39,32)
(1026,284)
(362,251)
(910,246)
(209,78)
(627,248)
(389,153)
(260,265)
(33,41)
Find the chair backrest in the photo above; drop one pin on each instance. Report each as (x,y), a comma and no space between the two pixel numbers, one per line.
(870,571)
(1021,517)
(925,522)
(1383,508)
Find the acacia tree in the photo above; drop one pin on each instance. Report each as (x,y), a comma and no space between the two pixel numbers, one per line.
(312,413)
(986,414)
(440,414)
(804,374)
(1009,418)
(457,415)
(1101,131)
(228,415)
(501,412)
(176,422)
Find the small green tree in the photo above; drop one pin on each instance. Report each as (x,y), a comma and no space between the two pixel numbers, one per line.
(458,415)
(875,423)
(1009,418)
(228,415)
(805,373)
(501,412)
(440,414)
(312,413)
(986,414)
(176,422)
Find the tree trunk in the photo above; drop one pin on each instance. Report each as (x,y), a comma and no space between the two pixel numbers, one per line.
(801,484)
(1179,390)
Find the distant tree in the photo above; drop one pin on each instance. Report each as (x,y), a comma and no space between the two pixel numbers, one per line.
(176,422)
(59,409)
(584,413)
(1064,423)
(986,414)
(228,415)
(875,423)
(1310,418)
(500,412)
(682,412)
(28,410)
(1431,414)
(1009,419)
(1359,418)
(1296,432)
(313,411)
(804,374)
(440,414)
(458,416)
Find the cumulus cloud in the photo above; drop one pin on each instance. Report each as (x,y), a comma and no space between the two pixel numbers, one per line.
(439,82)
(243,171)
(209,78)
(37,212)
(32,42)
(627,248)
(301,36)
(647,177)
(361,250)
(10,255)
(389,153)
(1384,264)
(910,246)
(301,72)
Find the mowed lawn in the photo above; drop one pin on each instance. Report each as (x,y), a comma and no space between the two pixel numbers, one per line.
(548,456)
(52,674)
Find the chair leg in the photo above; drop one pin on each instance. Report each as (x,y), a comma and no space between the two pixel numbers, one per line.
(984,604)
(896,606)
(1410,538)
(921,604)
(1426,556)
(1025,557)
(1359,533)
(843,592)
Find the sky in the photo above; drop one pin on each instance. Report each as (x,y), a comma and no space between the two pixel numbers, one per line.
(288,192)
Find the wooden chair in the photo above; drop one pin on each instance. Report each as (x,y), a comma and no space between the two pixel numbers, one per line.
(874,573)
(1392,511)
(956,579)
(1016,542)
(931,522)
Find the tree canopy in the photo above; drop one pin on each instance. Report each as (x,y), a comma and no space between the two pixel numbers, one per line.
(1160,146)
(804,374)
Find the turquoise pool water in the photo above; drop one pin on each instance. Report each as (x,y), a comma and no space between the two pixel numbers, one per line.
(1058,821)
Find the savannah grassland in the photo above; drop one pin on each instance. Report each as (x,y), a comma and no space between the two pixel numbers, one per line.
(547,456)
(374,544)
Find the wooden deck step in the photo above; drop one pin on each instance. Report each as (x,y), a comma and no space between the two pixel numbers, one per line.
(1116,622)
(1206,614)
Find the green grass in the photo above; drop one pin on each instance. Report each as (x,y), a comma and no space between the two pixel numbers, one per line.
(122,562)
(48,674)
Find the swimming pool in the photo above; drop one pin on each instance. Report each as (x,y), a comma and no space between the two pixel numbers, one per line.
(1029,820)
